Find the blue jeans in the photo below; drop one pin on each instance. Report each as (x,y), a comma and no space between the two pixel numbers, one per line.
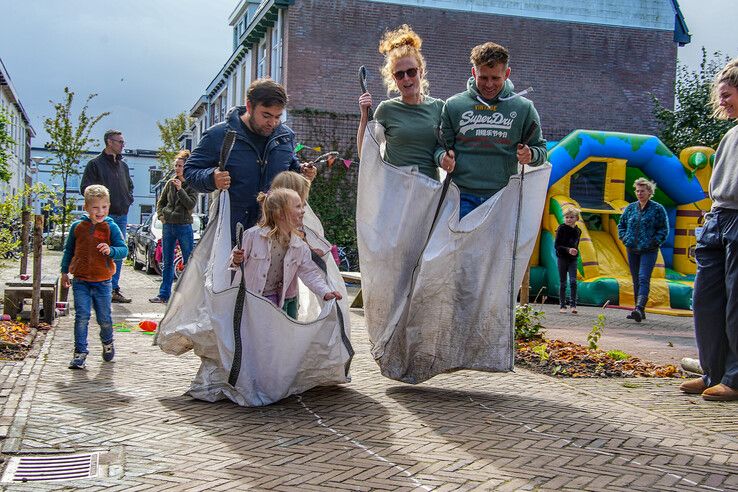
(87,295)
(122,221)
(469,202)
(715,298)
(641,266)
(171,233)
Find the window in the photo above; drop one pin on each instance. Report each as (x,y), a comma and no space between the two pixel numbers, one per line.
(242,99)
(234,85)
(262,60)
(235,38)
(276,68)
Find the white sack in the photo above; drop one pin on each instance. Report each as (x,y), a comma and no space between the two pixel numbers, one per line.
(280,356)
(459,311)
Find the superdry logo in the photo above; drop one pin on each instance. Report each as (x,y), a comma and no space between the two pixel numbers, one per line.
(496,121)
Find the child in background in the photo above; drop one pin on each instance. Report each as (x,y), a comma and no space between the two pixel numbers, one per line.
(93,244)
(274,253)
(567,250)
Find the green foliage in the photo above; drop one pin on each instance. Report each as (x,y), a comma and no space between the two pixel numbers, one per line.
(598,330)
(618,355)
(691,122)
(333,199)
(169,132)
(6,142)
(541,351)
(68,142)
(528,322)
(11,210)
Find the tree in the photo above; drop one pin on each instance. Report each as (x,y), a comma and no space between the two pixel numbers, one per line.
(691,122)
(68,143)
(6,141)
(170,130)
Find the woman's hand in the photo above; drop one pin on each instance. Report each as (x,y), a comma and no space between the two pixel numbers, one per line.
(332,295)
(365,102)
(573,251)
(237,256)
(65,281)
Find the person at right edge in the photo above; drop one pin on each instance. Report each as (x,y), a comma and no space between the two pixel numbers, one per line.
(715,297)
(484,126)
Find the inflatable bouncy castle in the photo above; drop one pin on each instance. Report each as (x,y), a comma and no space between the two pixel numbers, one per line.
(594,171)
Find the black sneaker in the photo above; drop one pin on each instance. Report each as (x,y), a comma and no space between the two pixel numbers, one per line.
(158,300)
(636,315)
(78,362)
(119,297)
(108,351)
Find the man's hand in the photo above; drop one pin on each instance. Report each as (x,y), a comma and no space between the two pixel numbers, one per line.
(222,179)
(308,170)
(332,295)
(177,183)
(524,154)
(448,161)
(573,251)
(104,248)
(65,281)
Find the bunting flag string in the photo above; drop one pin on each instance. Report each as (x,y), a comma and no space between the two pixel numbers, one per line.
(329,161)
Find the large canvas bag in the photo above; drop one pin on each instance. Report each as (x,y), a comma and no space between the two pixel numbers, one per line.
(279,356)
(440,297)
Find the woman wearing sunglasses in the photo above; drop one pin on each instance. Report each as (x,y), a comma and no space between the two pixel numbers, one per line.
(410,120)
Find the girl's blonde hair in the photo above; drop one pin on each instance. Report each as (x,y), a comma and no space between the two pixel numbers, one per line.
(397,44)
(572,211)
(729,75)
(274,207)
(293,181)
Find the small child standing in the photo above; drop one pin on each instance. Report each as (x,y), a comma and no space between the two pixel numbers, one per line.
(567,250)
(274,253)
(93,244)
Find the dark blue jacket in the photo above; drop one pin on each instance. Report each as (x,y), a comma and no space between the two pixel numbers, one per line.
(643,230)
(250,172)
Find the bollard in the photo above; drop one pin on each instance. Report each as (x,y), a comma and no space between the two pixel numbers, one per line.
(38,226)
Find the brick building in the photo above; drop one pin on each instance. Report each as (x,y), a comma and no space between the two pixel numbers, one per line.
(592,64)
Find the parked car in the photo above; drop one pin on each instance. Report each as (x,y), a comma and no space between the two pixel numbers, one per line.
(145,245)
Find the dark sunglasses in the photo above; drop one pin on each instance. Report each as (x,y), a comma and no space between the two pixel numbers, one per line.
(410,72)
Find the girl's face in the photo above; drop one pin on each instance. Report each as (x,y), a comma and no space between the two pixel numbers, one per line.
(570,220)
(295,212)
(407,74)
(728,99)
(179,168)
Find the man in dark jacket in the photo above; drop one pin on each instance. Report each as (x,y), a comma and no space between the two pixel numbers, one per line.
(110,170)
(264,147)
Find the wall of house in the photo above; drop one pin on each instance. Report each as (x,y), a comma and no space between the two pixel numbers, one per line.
(584,75)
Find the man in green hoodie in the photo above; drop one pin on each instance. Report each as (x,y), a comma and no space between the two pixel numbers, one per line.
(484,127)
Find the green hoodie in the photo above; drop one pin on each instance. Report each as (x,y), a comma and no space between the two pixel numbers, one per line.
(485,134)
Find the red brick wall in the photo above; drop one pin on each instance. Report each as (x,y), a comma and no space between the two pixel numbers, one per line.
(583,75)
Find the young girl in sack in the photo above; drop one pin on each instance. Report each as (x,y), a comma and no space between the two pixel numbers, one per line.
(275,255)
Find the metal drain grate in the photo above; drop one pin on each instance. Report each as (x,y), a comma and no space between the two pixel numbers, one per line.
(51,467)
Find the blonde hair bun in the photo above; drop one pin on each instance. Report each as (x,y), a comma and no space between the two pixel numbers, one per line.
(402,36)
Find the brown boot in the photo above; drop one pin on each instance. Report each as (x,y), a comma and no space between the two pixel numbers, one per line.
(694,386)
(720,392)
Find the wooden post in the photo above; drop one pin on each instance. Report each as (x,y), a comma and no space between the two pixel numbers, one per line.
(38,227)
(25,236)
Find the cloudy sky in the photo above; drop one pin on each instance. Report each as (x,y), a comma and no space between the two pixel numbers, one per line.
(151,59)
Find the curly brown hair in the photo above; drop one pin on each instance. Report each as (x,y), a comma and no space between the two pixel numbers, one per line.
(397,44)
(489,54)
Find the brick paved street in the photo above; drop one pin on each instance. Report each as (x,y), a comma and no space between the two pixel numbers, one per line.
(462,431)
